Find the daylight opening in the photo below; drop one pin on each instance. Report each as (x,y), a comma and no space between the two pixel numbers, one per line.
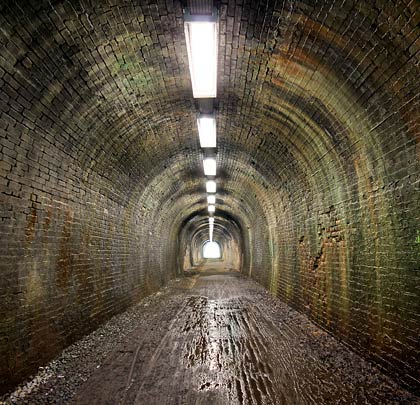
(211,250)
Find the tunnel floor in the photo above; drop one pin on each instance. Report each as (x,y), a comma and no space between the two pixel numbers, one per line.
(213,337)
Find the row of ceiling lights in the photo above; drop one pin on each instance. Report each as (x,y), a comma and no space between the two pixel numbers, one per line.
(201,33)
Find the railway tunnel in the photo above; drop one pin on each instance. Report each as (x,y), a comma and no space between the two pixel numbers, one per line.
(313,107)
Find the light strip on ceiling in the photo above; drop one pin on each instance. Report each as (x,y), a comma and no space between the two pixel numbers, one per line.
(209,165)
(211,186)
(201,34)
(207,130)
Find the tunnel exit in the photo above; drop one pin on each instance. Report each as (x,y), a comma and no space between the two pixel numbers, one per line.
(211,250)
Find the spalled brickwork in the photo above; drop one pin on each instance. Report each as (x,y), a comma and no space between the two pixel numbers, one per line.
(318,165)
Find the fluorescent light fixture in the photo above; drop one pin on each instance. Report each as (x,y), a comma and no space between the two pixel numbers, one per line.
(207,130)
(201,36)
(211,199)
(211,220)
(211,232)
(211,208)
(211,186)
(209,165)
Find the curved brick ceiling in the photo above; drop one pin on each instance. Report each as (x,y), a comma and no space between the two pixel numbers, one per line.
(301,90)
(317,116)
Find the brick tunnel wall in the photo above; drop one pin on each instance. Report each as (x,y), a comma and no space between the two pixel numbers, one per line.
(318,162)
(75,249)
(332,106)
(84,229)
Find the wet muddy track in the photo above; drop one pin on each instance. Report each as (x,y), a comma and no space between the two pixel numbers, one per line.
(215,337)
(225,341)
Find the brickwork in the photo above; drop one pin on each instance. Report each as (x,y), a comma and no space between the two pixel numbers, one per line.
(81,233)
(331,101)
(318,165)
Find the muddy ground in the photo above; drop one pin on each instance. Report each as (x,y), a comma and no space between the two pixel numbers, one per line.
(213,337)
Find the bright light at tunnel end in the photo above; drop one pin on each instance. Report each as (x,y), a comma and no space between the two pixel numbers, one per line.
(211,250)
(201,33)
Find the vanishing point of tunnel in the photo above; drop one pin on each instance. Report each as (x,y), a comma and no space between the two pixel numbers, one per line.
(209,202)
